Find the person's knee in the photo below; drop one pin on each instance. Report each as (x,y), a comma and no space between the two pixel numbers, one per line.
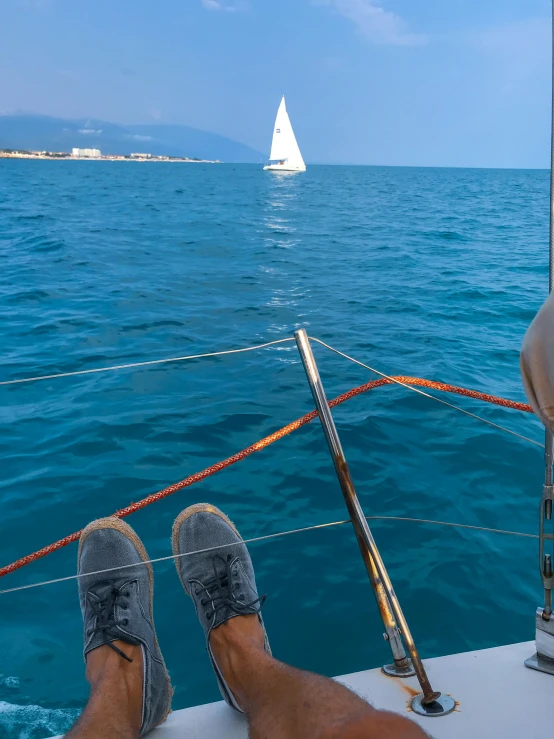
(373,724)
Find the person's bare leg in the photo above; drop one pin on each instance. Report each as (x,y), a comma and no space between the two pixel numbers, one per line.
(282,702)
(114,708)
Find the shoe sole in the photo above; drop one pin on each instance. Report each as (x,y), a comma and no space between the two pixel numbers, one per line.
(127,531)
(182,517)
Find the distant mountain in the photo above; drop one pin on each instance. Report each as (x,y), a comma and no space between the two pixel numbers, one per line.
(37,132)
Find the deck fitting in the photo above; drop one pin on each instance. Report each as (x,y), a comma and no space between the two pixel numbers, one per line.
(395,671)
(443,705)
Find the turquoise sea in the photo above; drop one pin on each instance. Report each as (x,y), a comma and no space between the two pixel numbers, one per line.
(427,272)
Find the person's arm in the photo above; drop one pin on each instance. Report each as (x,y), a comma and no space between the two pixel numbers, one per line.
(537,363)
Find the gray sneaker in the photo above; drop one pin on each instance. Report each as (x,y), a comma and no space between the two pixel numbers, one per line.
(118,605)
(219,577)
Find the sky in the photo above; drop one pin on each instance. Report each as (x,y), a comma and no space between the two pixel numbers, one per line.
(388,82)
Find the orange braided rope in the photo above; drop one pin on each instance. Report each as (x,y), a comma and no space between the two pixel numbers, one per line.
(275,436)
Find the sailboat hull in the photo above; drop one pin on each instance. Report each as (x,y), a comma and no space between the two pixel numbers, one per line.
(283,168)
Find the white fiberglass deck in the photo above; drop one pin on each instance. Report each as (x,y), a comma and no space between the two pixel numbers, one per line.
(497,696)
(496,693)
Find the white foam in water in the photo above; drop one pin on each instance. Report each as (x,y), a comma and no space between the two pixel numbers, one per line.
(34,722)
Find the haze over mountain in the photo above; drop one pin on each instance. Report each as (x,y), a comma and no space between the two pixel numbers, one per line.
(37,132)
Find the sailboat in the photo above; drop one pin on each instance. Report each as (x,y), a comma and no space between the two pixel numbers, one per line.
(285,155)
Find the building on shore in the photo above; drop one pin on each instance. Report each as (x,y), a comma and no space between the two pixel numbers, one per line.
(86,153)
(137,155)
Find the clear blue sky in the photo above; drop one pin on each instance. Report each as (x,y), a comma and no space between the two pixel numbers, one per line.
(409,82)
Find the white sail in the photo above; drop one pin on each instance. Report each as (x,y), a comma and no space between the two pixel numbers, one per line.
(285,154)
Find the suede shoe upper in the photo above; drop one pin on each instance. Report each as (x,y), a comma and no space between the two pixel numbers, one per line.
(118,605)
(219,576)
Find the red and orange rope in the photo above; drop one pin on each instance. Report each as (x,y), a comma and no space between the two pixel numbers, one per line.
(259,445)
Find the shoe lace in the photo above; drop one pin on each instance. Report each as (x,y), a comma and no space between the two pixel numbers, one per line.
(221,591)
(106,623)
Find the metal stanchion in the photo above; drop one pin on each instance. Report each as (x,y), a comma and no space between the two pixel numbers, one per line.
(546,515)
(429,703)
(543,659)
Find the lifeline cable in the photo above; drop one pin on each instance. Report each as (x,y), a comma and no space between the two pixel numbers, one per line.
(149,362)
(443,387)
(265,538)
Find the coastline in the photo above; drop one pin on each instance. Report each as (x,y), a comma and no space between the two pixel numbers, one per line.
(102,158)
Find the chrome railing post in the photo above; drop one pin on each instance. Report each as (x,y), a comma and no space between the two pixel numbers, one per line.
(543,659)
(545,559)
(429,702)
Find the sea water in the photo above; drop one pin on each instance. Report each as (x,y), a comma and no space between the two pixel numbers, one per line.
(428,272)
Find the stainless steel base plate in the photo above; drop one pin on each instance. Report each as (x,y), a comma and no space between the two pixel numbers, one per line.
(443,705)
(395,671)
(542,664)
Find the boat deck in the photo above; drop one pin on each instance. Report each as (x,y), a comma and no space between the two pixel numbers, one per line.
(496,695)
